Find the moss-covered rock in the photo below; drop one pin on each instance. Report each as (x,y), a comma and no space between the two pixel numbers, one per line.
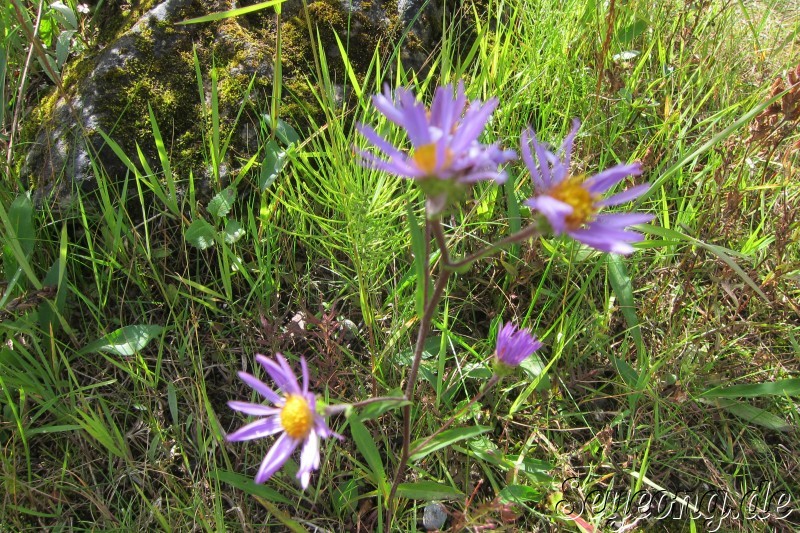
(149,61)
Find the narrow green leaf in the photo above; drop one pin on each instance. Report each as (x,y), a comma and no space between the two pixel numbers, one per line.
(348,67)
(749,413)
(428,490)
(345,497)
(366,446)
(623,289)
(249,486)
(723,254)
(126,340)
(233,12)
(783,387)
(163,156)
(283,518)
(172,401)
(200,234)
(446,438)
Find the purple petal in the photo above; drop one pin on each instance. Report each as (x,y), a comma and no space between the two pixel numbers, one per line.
(566,146)
(373,137)
(322,429)
(525,148)
(401,168)
(253,409)
(276,457)
(544,157)
(606,179)
(622,220)
(304,372)
(387,108)
(263,427)
(607,239)
(415,120)
(625,196)
(277,373)
(309,459)
(554,210)
(260,387)
(287,370)
(473,124)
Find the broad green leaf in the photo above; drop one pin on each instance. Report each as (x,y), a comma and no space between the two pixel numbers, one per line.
(632,31)
(126,340)
(21,233)
(271,166)
(222,203)
(534,368)
(446,438)
(783,387)
(287,134)
(64,15)
(249,486)
(200,234)
(63,47)
(749,413)
(233,231)
(428,490)
(366,446)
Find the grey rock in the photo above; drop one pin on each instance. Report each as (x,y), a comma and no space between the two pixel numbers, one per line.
(151,62)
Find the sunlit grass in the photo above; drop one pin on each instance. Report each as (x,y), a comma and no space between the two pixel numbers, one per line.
(100,438)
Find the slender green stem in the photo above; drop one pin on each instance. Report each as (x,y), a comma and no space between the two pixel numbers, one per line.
(520,236)
(331,410)
(489,384)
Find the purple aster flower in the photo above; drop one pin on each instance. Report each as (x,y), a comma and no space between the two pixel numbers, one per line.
(515,345)
(294,415)
(571,203)
(446,155)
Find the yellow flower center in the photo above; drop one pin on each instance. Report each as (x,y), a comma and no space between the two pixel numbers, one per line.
(425,158)
(296,417)
(572,192)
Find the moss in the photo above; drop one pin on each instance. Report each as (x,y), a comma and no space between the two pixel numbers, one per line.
(161,73)
(116,18)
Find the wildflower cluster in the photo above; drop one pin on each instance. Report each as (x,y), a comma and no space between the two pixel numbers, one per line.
(445,157)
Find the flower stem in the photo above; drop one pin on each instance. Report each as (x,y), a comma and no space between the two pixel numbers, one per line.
(522,235)
(331,410)
(424,327)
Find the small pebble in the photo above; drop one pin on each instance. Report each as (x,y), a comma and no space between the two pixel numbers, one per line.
(434,517)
